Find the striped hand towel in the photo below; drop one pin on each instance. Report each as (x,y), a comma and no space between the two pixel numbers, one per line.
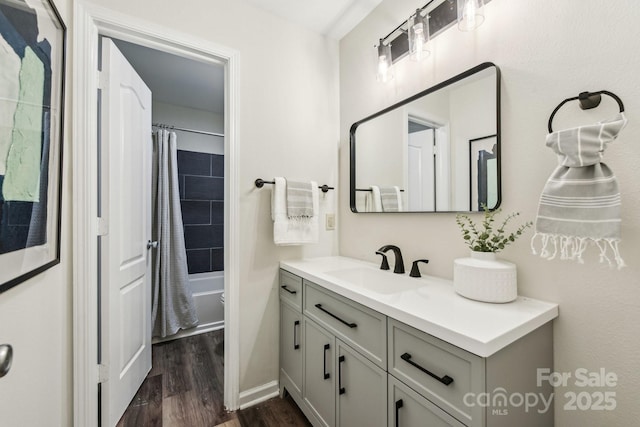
(295,231)
(390,198)
(580,203)
(299,200)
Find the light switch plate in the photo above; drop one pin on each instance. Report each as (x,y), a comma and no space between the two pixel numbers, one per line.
(330,221)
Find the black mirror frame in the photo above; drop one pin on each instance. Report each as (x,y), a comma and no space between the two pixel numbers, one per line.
(465,74)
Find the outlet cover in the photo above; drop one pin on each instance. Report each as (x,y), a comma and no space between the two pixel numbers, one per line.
(330,221)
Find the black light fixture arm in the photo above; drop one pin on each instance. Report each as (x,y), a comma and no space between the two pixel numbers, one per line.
(404,23)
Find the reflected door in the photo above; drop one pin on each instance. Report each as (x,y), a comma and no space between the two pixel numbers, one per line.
(420,190)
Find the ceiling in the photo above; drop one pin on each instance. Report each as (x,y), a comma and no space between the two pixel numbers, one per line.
(332,18)
(177,80)
(188,83)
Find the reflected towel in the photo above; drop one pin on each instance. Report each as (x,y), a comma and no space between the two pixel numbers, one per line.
(374,202)
(390,199)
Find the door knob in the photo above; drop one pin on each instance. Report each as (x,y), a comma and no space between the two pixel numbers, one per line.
(6,356)
(153,244)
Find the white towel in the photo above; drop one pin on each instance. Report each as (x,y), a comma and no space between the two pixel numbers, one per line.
(298,231)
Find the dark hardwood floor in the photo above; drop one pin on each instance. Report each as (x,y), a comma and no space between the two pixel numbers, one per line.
(185,389)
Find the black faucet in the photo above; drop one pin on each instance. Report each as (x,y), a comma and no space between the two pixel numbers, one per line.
(415,272)
(385,262)
(399,267)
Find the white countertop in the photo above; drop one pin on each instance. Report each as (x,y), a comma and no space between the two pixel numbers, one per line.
(429,304)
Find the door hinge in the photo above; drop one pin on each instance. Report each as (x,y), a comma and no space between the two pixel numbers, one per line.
(103,374)
(103,227)
(101,79)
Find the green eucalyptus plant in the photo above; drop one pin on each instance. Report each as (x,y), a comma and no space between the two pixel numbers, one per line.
(488,237)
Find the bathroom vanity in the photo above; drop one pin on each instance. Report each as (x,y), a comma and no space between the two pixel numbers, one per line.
(364,347)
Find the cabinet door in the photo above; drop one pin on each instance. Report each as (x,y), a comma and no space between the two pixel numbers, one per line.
(291,349)
(319,372)
(408,409)
(361,391)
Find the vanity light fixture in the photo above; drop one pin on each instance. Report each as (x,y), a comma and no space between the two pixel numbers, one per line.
(412,37)
(418,36)
(385,63)
(470,14)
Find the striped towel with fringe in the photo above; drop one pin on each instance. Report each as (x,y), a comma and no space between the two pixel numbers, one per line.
(299,200)
(580,203)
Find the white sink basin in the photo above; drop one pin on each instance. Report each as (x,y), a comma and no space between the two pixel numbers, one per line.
(379,281)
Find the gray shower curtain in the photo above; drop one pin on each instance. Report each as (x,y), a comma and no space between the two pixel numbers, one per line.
(172,308)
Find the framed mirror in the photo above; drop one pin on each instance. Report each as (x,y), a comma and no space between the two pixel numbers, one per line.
(437,151)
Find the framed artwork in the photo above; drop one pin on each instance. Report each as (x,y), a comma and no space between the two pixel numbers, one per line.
(483,173)
(32,65)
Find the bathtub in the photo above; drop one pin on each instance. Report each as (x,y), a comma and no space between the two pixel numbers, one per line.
(207,288)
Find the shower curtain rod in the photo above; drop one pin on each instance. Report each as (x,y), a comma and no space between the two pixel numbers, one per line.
(202,132)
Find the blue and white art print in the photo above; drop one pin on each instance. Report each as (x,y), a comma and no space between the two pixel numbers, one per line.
(32,63)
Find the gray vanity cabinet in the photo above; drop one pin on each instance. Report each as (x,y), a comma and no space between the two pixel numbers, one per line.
(291,334)
(342,388)
(362,385)
(291,344)
(346,365)
(362,328)
(319,373)
(409,409)
(336,373)
(441,372)
(449,383)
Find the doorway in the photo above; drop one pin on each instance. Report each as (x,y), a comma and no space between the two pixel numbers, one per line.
(427,172)
(188,100)
(91,23)
(185,253)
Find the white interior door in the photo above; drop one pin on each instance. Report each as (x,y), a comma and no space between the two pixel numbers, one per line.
(421,183)
(126,214)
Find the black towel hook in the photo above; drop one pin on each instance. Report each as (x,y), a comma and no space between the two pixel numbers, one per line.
(587,100)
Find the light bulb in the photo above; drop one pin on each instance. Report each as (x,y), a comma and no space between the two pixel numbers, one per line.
(385,64)
(418,36)
(470,14)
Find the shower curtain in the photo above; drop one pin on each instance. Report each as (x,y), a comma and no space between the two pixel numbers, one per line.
(172,307)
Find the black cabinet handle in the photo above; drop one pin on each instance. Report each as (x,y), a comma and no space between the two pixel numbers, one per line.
(399,404)
(446,380)
(351,325)
(324,362)
(340,388)
(295,336)
(288,290)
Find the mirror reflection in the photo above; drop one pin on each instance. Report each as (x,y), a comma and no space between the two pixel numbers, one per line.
(438,151)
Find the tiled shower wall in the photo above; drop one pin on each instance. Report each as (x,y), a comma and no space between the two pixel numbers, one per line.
(201,179)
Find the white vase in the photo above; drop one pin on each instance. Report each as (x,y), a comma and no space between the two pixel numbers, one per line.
(483,277)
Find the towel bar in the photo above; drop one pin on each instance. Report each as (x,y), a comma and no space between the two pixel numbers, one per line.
(261,182)
(588,100)
(368,189)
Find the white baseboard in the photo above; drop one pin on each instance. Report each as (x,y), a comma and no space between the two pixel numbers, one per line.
(258,394)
